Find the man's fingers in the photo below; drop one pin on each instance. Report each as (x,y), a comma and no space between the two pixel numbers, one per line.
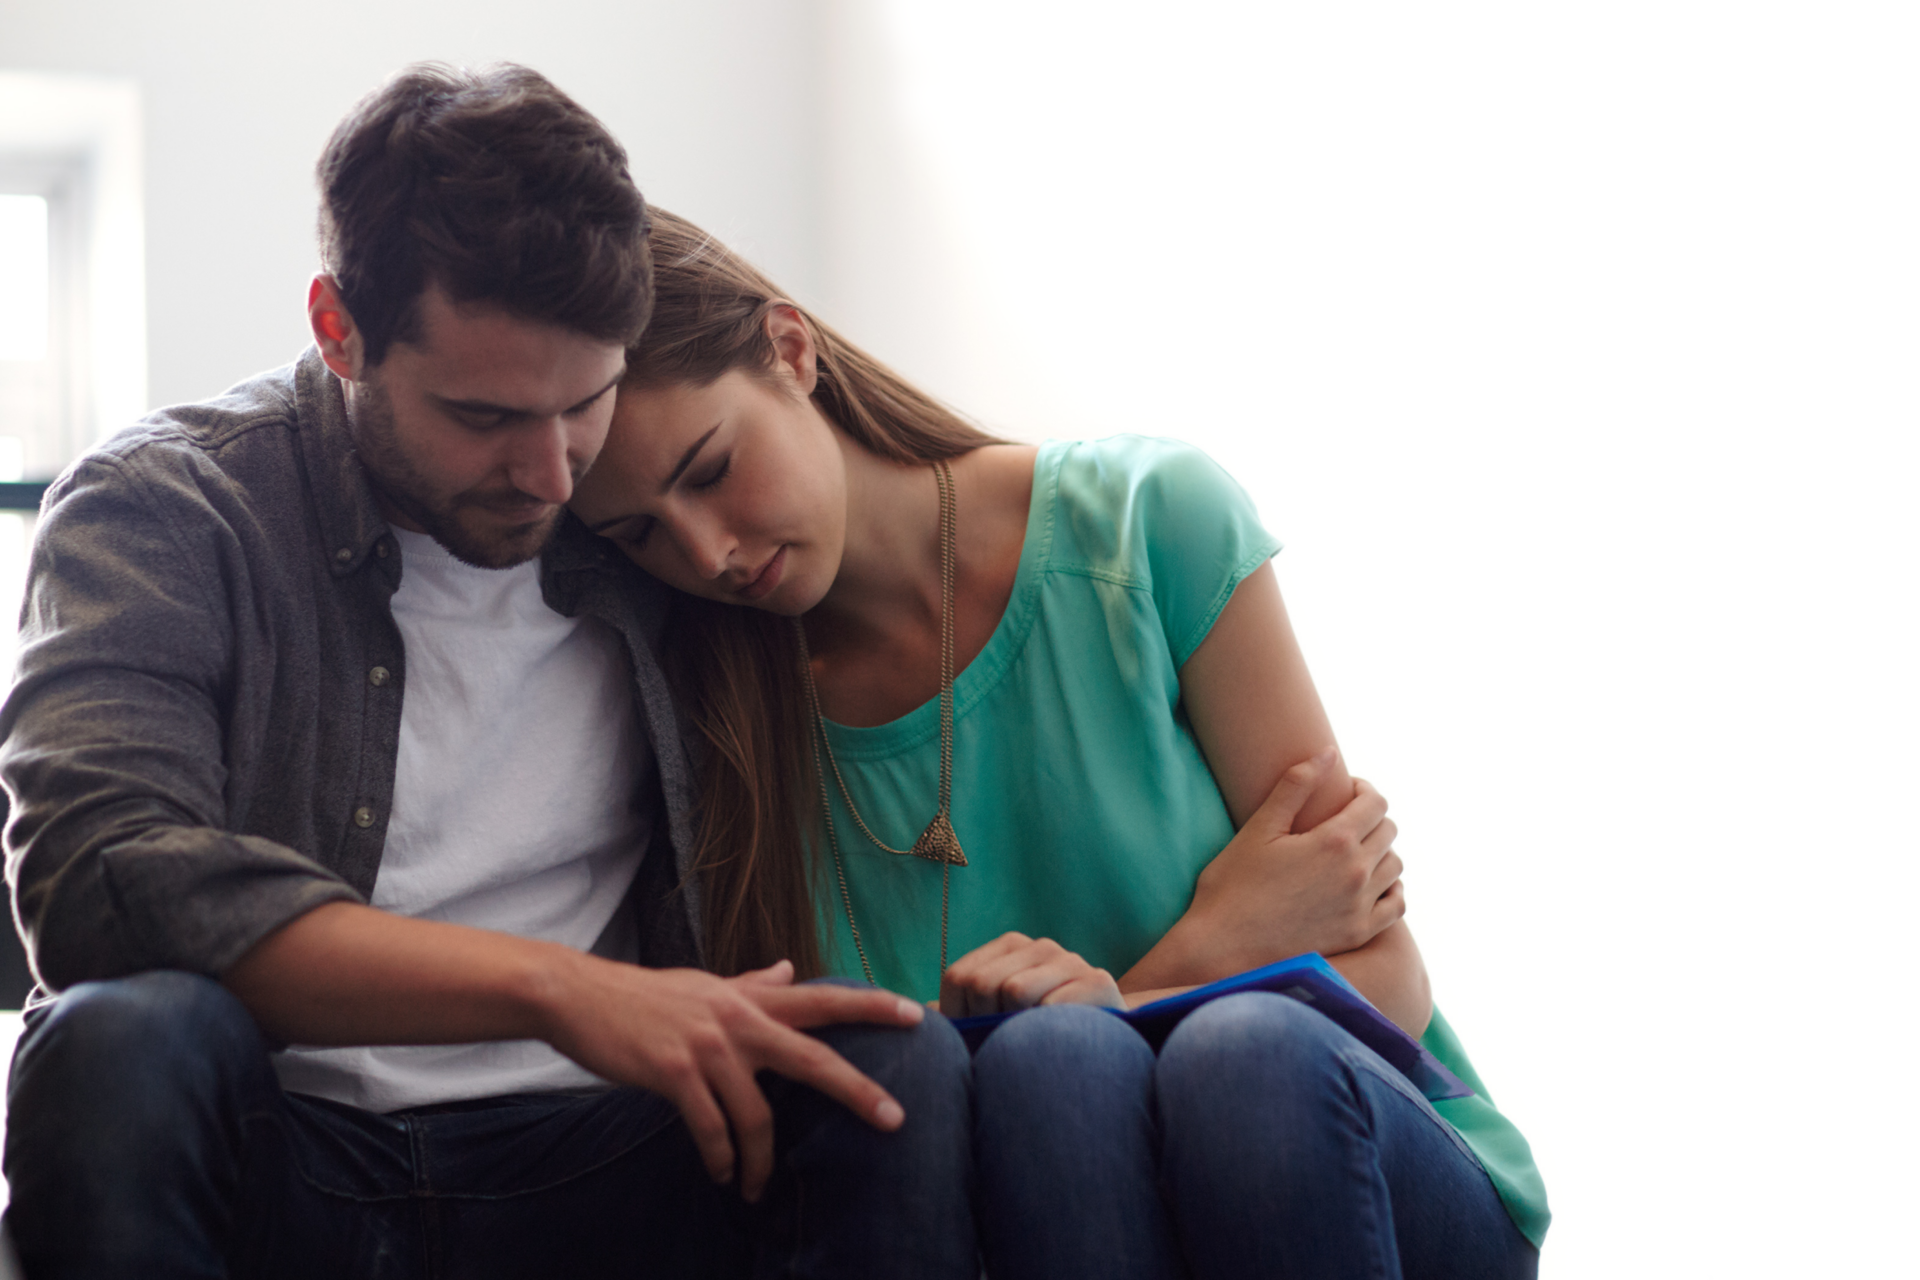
(708,1125)
(1290,794)
(777,974)
(820,1004)
(752,1122)
(802,1058)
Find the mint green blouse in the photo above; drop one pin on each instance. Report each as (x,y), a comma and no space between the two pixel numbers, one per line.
(1079,793)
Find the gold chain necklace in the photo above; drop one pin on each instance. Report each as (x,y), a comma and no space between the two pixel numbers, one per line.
(937,843)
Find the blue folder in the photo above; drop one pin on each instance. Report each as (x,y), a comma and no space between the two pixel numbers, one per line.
(1307,978)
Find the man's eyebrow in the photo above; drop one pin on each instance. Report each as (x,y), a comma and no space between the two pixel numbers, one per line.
(514,411)
(686,459)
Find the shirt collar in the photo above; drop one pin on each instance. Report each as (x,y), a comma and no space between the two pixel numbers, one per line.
(349,514)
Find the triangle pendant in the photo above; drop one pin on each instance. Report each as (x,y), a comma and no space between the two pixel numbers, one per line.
(938,843)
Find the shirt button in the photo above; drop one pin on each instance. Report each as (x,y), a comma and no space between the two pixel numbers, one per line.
(343,555)
(379,676)
(363,817)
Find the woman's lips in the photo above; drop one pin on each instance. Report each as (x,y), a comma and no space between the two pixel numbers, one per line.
(767,579)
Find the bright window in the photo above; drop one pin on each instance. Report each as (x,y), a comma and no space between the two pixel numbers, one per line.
(23,277)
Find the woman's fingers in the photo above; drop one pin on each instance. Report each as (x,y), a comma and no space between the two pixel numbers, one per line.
(965,978)
(1291,793)
(1021,975)
(1094,986)
(1386,873)
(1036,984)
(982,988)
(1388,910)
(1362,816)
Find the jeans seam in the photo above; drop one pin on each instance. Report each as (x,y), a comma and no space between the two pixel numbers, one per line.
(1365,1166)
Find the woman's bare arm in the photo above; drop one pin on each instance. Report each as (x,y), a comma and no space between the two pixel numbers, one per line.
(1257,716)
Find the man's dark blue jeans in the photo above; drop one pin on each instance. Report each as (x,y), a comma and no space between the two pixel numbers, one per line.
(148,1135)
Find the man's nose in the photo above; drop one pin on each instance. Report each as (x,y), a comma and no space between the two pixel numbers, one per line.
(542,466)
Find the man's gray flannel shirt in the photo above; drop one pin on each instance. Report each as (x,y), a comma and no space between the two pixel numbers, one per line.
(201,737)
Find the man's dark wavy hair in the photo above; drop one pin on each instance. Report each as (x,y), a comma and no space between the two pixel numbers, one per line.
(495,186)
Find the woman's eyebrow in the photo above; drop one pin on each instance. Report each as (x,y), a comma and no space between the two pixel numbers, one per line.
(686,459)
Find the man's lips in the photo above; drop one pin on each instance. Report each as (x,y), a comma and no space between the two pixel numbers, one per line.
(767,579)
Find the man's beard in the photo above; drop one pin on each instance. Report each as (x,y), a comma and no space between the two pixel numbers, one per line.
(449,519)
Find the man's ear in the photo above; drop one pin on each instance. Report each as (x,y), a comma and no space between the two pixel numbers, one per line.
(793,346)
(333,329)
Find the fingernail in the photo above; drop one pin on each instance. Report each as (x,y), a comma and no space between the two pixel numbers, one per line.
(1326,755)
(911,1012)
(889,1115)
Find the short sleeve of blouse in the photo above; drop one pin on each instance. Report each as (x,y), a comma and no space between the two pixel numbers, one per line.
(1164,516)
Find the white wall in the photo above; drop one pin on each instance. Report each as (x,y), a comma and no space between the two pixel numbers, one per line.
(714,102)
(1572,350)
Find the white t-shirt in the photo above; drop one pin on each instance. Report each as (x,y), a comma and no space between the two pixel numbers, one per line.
(516,807)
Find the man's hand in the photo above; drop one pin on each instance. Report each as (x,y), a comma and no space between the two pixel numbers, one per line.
(697,1040)
(1017,972)
(1272,893)
(345,974)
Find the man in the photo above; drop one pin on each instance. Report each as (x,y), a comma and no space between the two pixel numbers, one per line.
(332,730)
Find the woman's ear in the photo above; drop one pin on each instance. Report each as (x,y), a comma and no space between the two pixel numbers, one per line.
(793,346)
(334,331)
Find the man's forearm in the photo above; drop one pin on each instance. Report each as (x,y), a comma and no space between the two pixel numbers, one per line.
(344,974)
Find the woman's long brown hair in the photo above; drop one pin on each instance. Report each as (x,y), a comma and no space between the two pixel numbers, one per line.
(737,668)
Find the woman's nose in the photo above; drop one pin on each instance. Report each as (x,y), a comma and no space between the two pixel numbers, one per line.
(706,546)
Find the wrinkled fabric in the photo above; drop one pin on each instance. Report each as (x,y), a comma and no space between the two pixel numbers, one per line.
(201,738)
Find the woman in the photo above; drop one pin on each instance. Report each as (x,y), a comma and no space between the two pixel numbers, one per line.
(967,697)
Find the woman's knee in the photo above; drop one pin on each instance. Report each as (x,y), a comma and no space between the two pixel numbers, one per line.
(927,1061)
(1061,1047)
(1254,1039)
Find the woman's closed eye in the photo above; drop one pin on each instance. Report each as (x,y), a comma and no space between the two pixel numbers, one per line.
(713,477)
(633,533)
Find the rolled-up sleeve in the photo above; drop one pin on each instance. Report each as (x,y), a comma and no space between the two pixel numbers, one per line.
(114,743)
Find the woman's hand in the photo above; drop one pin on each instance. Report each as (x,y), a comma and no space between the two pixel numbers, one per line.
(1017,972)
(1272,893)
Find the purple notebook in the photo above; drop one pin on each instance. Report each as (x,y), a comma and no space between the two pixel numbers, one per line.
(1308,979)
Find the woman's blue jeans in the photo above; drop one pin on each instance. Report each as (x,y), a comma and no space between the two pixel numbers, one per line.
(1263,1141)
(148,1136)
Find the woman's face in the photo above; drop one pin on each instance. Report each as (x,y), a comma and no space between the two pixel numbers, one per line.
(736,491)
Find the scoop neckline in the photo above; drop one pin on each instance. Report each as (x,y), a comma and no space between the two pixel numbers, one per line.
(922,724)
